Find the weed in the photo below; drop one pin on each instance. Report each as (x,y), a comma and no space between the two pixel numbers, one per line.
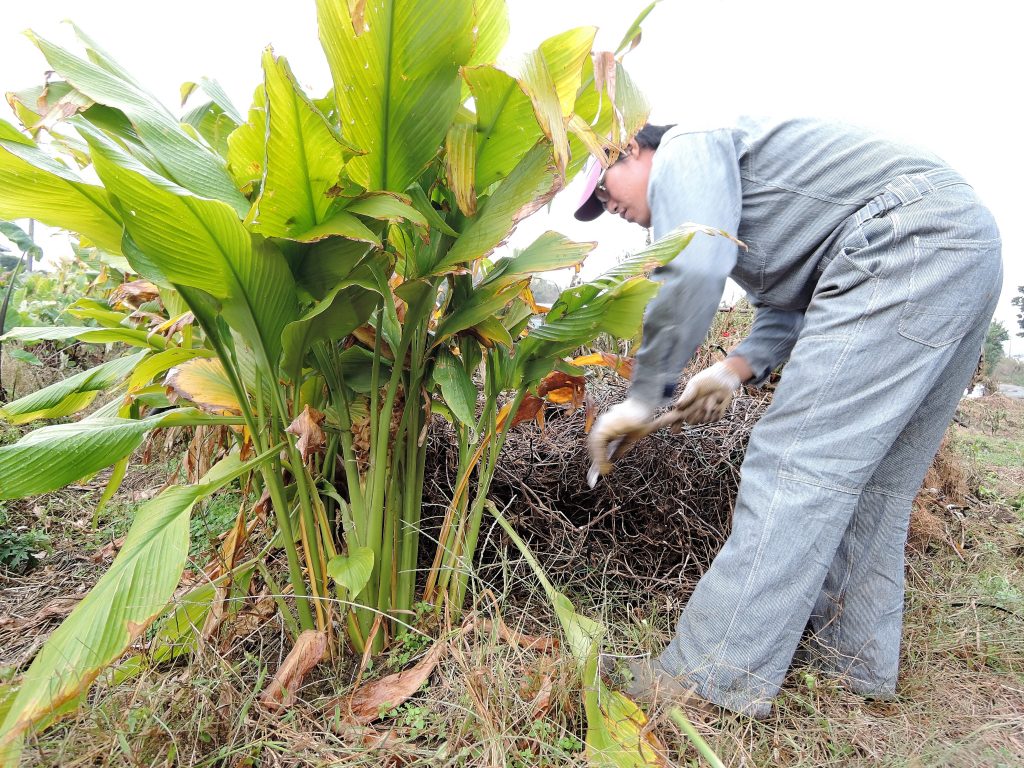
(406,648)
(20,546)
(210,520)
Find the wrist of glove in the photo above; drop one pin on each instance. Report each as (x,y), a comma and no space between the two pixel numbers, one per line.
(708,394)
(615,431)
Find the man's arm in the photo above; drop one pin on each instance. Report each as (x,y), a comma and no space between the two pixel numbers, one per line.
(695,178)
(771,339)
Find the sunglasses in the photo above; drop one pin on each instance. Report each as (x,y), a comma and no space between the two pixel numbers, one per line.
(600,190)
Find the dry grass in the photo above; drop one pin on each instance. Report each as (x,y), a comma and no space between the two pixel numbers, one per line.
(960,699)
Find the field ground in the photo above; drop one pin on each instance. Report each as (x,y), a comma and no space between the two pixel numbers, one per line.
(491,703)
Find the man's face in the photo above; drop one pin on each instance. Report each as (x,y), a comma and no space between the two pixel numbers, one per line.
(623,188)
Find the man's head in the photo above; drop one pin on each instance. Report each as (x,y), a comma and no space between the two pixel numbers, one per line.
(622,188)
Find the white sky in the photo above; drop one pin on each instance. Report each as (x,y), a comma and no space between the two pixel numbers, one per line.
(937,74)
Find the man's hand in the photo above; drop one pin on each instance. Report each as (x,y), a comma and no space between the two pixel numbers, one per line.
(622,424)
(707,395)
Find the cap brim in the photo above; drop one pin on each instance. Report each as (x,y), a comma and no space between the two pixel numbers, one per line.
(589,207)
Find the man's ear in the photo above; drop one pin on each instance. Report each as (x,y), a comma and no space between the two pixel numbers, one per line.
(633,148)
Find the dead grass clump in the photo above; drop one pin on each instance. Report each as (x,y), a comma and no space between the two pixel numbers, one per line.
(945,489)
(656,522)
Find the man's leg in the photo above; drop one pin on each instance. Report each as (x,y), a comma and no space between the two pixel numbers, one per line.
(858,618)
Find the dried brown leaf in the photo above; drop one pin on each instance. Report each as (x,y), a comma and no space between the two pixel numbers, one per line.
(370,701)
(529,642)
(307,428)
(559,387)
(305,655)
(107,551)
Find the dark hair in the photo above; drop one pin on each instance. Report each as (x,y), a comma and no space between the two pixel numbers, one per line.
(649,136)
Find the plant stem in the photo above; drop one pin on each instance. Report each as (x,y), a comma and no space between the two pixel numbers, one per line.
(680,719)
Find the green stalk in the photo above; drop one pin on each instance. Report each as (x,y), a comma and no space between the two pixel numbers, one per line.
(374,412)
(468,551)
(407,525)
(680,719)
(314,555)
(271,473)
(412,505)
(282,606)
(379,471)
(436,578)
(339,397)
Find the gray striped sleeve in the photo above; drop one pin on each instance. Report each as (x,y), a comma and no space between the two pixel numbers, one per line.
(694,178)
(771,339)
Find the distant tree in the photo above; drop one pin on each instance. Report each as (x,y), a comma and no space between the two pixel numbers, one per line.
(1018,302)
(994,339)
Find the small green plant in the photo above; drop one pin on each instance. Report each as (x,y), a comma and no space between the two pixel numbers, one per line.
(20,546)
(407,647)
(210,521)
(415,717)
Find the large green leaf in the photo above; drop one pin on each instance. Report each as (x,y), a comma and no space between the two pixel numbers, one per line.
(618,734)
(213,124)
(595,107)
(156,364)
(337,315)
(91,335)
(551,76)
(218,96)
(456,385)
(71,395)
(565,54)
(618,311)
(549,251)
(396,80)
(352,570)
(531,184)
(20,238)
(189,163)
(329,262)
(304,158)
(115,613)
(247,143)
(51,457)
(9,133)
(460,153)
(632,104)
(613,304)
(506,125)
(490,25)
(387,206)
(481,304)
(34,186)
(200,243)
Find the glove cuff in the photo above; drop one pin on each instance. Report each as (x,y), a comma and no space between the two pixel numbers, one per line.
(722,373)
(634,408)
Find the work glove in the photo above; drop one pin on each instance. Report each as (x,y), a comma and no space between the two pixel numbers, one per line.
(617,429)
(707,395)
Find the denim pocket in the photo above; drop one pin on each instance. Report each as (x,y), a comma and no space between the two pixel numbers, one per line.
(933,326)
(952,282)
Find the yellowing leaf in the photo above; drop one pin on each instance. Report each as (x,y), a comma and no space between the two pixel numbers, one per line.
(618,363)
(460,148)
(203,381)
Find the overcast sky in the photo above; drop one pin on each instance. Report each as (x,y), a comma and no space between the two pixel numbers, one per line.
(936,74)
